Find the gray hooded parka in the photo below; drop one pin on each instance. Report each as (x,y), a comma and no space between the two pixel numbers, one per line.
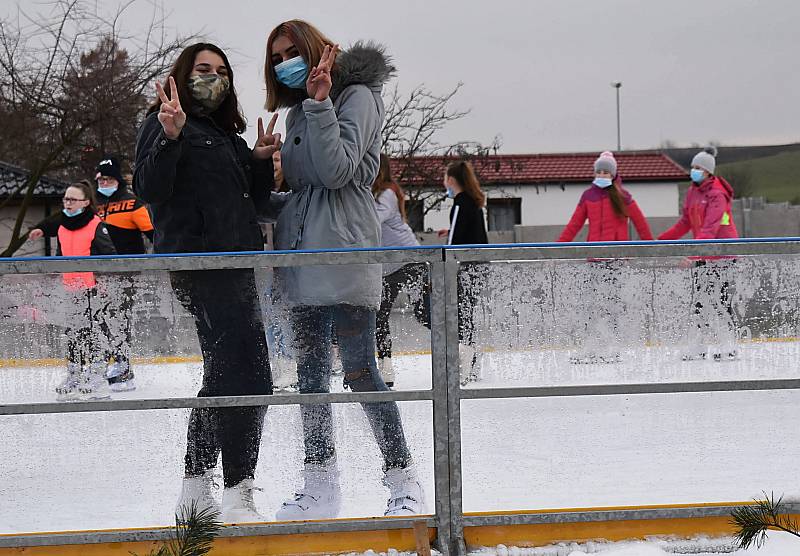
(330,160)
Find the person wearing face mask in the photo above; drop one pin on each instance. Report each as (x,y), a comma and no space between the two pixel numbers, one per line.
(128,222)
(330,160)
(707,214)
(81,233)
(467,227)
(609,208)
(205,188)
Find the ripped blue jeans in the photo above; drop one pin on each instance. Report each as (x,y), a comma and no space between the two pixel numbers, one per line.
(354,327)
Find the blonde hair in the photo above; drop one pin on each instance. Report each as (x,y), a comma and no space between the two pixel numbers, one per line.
(463,172)
(310,43)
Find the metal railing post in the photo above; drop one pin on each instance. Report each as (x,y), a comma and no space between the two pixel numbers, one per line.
(441,431)
(451,269)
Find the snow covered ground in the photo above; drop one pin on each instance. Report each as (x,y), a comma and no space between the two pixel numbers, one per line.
(106,470)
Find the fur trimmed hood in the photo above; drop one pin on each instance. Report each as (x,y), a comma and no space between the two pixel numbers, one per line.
(364,63)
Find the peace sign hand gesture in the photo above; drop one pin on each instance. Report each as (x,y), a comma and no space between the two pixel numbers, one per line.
(267,142)
(171,115)
(319,81)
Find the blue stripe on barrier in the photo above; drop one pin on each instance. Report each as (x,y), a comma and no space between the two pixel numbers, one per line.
(427,248)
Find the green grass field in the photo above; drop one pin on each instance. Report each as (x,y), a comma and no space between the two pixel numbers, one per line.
(775,177)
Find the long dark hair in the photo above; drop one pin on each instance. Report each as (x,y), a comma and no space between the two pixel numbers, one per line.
(385,181)
(463,172)
(617,199)
(228,116)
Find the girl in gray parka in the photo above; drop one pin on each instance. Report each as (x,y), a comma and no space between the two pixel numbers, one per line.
(330,159)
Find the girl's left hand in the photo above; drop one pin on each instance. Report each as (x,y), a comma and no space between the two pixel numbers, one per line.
(319,81)
(267,142)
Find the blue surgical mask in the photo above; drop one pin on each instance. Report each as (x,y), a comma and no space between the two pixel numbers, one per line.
(293,72)
(697,175)
(450,193)
(72,213)
(107,191)
(602,182)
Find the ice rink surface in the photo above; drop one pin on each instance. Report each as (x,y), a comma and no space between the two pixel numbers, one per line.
(123,469)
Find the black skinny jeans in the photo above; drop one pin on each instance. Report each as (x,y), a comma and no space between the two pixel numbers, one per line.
(227,315)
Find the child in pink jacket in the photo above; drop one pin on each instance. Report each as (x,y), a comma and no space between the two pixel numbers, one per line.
(707,214)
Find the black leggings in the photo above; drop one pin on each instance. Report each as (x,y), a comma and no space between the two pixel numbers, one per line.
(227,315)
(406,275)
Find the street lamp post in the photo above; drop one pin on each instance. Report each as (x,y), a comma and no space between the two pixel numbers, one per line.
(617,85)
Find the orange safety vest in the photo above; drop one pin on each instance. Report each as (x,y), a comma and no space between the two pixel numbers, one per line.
(78,243)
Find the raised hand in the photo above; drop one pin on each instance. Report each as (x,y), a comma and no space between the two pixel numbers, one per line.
(319,81)
(267,142)
(171,115)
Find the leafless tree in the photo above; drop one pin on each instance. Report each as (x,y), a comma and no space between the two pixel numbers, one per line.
(73,82)
(409,134)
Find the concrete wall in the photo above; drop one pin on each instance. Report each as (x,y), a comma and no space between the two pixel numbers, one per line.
(552,206)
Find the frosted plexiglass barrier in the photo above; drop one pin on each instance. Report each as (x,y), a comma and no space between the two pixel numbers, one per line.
(69,472)
(550,323)
(601,451)
(105,317)
(125,469)
(636,320)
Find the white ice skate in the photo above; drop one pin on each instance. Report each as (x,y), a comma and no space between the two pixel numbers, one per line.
(92,383)
(591,358)
(284,374)
(238,505)
(320,497)
(406,496)
(470,363)
(120,377)
(198,490)
(695,352)
(67,390)
(387,371)
(336,361)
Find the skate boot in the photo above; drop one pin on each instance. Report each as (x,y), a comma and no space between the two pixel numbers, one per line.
(470,362)
(238,505)
(320,497)
(67,390)
(92,384)
(406,496)
(120,377)
(386,370)
(197,490)
(695,352)
(284,374)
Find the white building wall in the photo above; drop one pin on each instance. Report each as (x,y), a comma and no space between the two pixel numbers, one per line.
(552,206)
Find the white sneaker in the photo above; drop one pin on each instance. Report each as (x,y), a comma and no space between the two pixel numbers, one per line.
(406,496)
(320,497)
(386,370)
(92,383)
(198,490)
(284,374)
(470,363)
(68,388)
(238,505)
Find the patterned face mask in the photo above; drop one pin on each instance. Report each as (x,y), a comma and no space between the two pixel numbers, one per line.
(209,91)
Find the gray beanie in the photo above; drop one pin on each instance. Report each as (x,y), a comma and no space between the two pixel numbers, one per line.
(606,162)
(706,160)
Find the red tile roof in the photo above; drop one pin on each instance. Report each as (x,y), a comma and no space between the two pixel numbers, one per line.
(540,168)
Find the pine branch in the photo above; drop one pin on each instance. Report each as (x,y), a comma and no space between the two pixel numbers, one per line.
(195,532)
(753,522)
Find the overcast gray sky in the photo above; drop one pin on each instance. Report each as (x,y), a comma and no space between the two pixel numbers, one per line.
(538,72)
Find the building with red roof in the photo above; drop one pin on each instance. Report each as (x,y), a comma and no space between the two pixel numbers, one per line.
(543,189)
